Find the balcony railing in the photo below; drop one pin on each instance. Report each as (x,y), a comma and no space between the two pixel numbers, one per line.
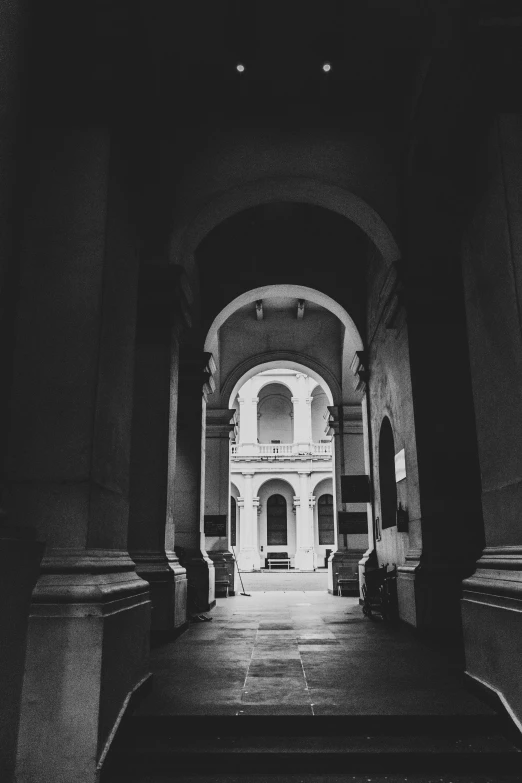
(260,451)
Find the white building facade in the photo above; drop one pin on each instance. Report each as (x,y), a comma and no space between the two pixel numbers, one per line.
(281,472)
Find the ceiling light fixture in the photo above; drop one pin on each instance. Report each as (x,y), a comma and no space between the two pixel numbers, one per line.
(240,67)
(327,67)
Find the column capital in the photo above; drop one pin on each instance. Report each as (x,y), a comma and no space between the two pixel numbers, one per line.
(247,474)
(297,501)
(304,472)
(312,501)
(220,422)
(349,417)
(198,366)
(295,399)
(360,369)
(240,502)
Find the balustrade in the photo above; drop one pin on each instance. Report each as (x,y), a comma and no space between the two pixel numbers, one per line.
(279,450)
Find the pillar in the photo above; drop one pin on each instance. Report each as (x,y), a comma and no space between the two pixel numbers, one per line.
(162,314)
(20,552)
(249,558)
(220,423)
(69,450)
(348,459)
(247,421)
(188,487)
(305,558)
(492,597)
(302,415)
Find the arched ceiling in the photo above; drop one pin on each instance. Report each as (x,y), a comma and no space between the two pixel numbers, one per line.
(284,243)
(323,338)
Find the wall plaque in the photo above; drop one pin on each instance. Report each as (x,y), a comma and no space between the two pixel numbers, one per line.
(352,522)
(400,466)
(355,489)
(215,525)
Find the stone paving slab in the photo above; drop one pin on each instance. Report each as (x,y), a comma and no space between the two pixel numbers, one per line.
(269,653)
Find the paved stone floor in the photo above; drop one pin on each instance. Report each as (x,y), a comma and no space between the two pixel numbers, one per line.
(302,652)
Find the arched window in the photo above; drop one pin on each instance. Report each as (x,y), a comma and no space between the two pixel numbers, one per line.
(233,517)
(387,485)
(276,529)
(325,517)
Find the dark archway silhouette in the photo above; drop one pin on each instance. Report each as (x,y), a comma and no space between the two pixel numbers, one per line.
(387,485)
(276,521)
(325,517)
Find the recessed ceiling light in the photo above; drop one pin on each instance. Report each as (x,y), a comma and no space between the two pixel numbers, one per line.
(327,67)
(240,67)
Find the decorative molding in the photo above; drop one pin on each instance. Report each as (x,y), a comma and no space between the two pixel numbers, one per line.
(360,369)
(220,422)
(295,357)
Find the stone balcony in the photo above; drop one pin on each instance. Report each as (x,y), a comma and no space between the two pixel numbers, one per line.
(260,452)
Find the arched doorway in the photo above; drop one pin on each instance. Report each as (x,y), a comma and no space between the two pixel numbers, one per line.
(387,484)
(325,520)
(276,521)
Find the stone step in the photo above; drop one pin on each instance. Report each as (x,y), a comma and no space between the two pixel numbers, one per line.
(349,745)
(288,776)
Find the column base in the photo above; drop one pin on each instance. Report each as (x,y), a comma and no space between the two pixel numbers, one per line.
(224,561)
(20,556)
(249,560)
(201,581)
(491,609)
(87,653)
(411,595)
(305,560)
(348,561)
(168,590)
(428,594)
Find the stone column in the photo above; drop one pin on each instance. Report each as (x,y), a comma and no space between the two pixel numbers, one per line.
(346,423)
(302,416)
(492,598)
(249,554)
(20,552)
(305,550)
(69,450)
(220,423)
(195,383)
(247,422)
(240,512)
(162,314)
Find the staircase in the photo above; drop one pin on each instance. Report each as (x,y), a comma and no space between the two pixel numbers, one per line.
(326,749)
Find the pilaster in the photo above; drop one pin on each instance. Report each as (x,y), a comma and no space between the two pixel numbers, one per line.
(220,423)
(69,452)
(249,558)
(163,314)
(305,557)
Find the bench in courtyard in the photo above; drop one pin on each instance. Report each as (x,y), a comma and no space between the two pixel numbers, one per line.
(277,559)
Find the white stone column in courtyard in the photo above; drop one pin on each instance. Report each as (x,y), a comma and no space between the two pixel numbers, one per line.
(247,418)
(305,552)
(302,414)
(249,553)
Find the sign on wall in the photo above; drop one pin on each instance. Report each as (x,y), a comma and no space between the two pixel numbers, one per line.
(215,525)
(355,489)
(400,466)
(352,522)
